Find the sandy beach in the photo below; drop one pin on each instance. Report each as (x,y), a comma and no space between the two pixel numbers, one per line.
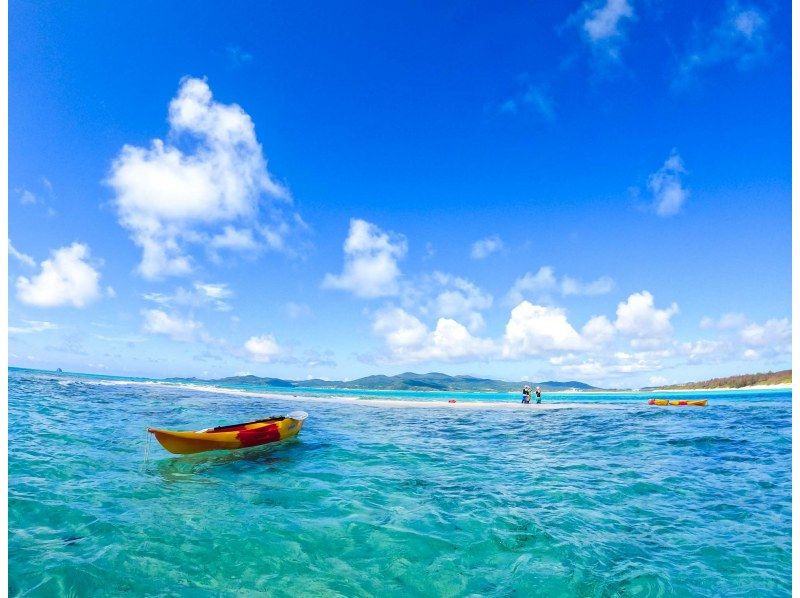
(425,404)
(354,400)
(785,386)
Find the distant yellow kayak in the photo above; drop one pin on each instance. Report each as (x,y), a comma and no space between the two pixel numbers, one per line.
(681,402)
(254,433)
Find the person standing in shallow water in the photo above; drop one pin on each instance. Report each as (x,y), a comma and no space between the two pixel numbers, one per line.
(526,394)
(538,396)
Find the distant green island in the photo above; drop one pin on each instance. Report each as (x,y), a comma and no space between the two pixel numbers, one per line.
(741,381)
(405,381)
(437,381)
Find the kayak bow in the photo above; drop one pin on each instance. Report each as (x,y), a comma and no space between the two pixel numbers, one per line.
(681,403)
(254,433)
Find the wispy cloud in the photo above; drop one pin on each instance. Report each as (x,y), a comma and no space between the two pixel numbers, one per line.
(41,197)
(573,286)
(741,37)
(446,296)
(121,339)
(540,285)
(175,327)
(531,98)
(204,294)
(238,57)
(296,311)
(27,197)
(725,322)
(314,358)
(483,248)
(667,187)
(22,257)
(603,22)
(740,338)
(32,326)
(603,27)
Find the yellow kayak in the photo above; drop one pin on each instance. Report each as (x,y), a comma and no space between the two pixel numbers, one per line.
(255,433)
(681,402)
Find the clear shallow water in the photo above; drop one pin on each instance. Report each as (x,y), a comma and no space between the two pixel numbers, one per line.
(633,500)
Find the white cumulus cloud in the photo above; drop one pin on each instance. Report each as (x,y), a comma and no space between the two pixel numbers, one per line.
(263,349)
(535,329)
(370,263)
(67,278)
(598,331)
(638,317)
(170,196)
(409,340)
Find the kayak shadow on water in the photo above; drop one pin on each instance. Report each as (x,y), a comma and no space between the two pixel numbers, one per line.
(187,468)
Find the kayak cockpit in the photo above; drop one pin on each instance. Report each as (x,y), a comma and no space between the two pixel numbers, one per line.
(244,426)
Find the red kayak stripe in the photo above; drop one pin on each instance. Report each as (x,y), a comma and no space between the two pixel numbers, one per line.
(268,433)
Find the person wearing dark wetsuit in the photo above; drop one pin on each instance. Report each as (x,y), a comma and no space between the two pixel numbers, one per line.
(538,395)
(526,395)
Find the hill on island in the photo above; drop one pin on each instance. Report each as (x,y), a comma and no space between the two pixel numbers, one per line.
(404,381)
(766,378)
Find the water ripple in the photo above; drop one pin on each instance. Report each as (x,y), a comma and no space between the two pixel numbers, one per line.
(630,501)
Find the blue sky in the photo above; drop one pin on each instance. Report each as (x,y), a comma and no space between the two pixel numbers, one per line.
(596,191)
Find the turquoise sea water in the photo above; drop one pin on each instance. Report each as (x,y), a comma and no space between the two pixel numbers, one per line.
(369,500)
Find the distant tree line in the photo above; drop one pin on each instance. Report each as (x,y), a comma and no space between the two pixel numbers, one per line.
(784,376)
